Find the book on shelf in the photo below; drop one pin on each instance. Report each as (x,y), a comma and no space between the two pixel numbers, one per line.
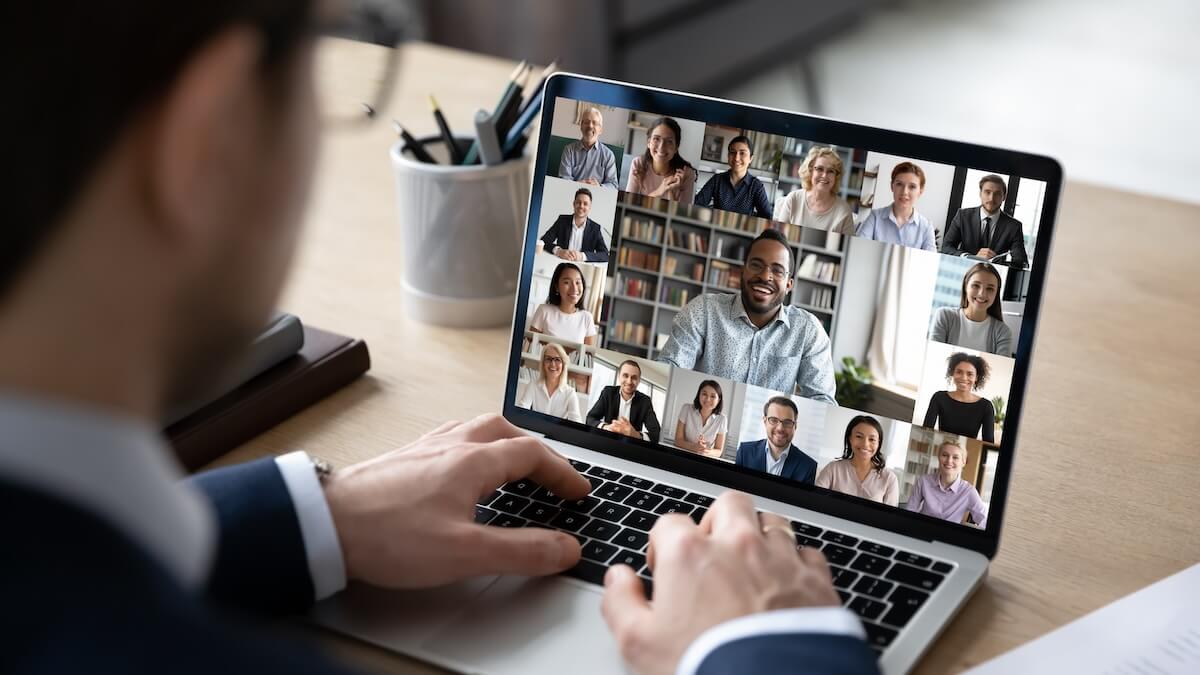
(631,257)
(630,332)
(641,227)
(688,240)
(635,287)
(833,240)
(660,340)
(675,296)
(724,248)
(725,275)
(822,270)
(821,298)
(581,382)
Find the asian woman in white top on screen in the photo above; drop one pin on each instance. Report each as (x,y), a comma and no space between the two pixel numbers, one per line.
(551,393)
(563,315)
(701,427)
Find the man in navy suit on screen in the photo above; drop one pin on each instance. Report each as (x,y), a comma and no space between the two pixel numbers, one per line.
(575,236)
(146,239)
(775,454)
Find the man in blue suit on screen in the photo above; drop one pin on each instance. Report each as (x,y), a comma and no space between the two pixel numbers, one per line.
(164,154)
(775,454)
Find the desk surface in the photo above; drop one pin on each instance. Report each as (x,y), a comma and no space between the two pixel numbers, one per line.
(1104,486)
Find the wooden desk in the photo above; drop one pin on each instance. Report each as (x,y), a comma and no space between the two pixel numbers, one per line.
(1103,492)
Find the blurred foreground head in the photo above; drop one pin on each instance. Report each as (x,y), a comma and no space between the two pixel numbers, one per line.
(160,154)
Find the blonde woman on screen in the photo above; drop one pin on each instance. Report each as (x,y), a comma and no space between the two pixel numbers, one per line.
(816,203)
(551,393)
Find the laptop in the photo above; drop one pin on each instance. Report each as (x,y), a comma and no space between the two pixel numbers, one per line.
(894,344)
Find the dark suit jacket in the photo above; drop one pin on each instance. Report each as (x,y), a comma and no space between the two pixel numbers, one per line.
(559,235)
(798,466)
(641,411)
(80,596)
(965,235)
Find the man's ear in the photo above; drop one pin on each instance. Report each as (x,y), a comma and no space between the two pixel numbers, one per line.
(196,145)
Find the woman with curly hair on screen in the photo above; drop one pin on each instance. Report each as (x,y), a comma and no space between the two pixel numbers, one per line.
(961,410)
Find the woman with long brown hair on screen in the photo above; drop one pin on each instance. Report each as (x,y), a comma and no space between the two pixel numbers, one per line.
(661,171)
(862,471)
(978,323)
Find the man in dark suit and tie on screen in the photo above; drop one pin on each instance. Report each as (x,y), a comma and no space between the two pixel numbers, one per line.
(165,155)
(985,231)
(623,409)
(775,454)
(576,237)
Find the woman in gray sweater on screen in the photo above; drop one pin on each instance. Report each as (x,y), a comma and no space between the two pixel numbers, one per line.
(977,322)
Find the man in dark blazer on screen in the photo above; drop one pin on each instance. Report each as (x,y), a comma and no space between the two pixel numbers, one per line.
(623,409)
(576,237)
(141,253)
(985,231)
(775,454)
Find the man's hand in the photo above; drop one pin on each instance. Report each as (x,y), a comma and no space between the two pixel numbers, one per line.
(406,518)
(591,181)
(565,254)
(986,253)
(726,568)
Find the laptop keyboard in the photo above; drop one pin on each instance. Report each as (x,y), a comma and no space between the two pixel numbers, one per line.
(884,586)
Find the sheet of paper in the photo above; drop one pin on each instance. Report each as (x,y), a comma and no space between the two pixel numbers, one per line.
(1153,631)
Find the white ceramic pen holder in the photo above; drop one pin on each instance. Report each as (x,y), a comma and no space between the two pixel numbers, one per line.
(461,229)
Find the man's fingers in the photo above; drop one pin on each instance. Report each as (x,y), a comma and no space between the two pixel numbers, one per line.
(624,607)
(732,511)
(668,534)
(526,551)
(489,427)
(501,461)
(444,427)
(777,531)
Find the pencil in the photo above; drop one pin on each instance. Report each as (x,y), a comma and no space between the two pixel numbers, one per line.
(418,150)
(456,156)
(473,152)
(546,73)
(512,107)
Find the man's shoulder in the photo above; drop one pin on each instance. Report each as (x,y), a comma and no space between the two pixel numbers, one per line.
(800,316)
(750,445)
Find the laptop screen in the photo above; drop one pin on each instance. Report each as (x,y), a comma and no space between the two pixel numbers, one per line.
(838,317)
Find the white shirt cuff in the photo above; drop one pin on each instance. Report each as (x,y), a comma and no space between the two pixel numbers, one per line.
(826,620)
(325,563)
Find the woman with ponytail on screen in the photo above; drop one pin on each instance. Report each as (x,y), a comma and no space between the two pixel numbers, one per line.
(978,322)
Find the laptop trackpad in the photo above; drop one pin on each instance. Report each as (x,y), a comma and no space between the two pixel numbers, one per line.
(531,626)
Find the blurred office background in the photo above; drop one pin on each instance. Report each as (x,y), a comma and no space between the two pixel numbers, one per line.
(1109,87)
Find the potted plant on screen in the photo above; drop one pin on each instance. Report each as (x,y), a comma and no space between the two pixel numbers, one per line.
(853,384)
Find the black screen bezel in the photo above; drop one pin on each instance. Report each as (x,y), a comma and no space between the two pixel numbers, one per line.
(845,134)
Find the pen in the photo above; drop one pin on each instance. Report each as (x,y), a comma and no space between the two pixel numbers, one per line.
(512,107)
(418,150)
(456,156)
(533,93)
(513,138)
(473,152)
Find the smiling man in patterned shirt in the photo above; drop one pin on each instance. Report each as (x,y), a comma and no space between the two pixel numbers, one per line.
(752,336)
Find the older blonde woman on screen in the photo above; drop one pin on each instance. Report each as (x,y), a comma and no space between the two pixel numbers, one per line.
(977,323)
(563,315)
(945,494)
(551,392)
(862,470)
(661,171)
(816,203)
(701,427)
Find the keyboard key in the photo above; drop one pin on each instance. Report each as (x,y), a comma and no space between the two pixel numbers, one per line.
(943,568)
(805,540)
(838,555)
(483,514)
(598,551)
(586,570)
(876,549)
(636,482)
(878,636)
(606,474)
(631,539)
(584,505)
(806,529)
(490,498)
(876,588)
(507,520)
(842,577)
(698,515)
(523,487)
(871,564)
(912,576)
(668,491)
(913,559)
(510,504)
(579,466)
(866,607)
(610,512)
(698,500)
(539,512)
(543,495)
(612,491)
(673,506)
(643,500)
(569,521)
(839,538)
(635,560)
(596,481)
(640,520)
(598,529)
(905,602)
(844,595)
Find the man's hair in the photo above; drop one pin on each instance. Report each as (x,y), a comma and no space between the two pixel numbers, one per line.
(771,234)
(783,401)
(629,362)
(584,191)
(589,111)
(742,139)
(993,178)
(77,74)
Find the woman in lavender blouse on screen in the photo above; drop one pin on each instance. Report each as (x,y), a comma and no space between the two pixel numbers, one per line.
(945,494)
